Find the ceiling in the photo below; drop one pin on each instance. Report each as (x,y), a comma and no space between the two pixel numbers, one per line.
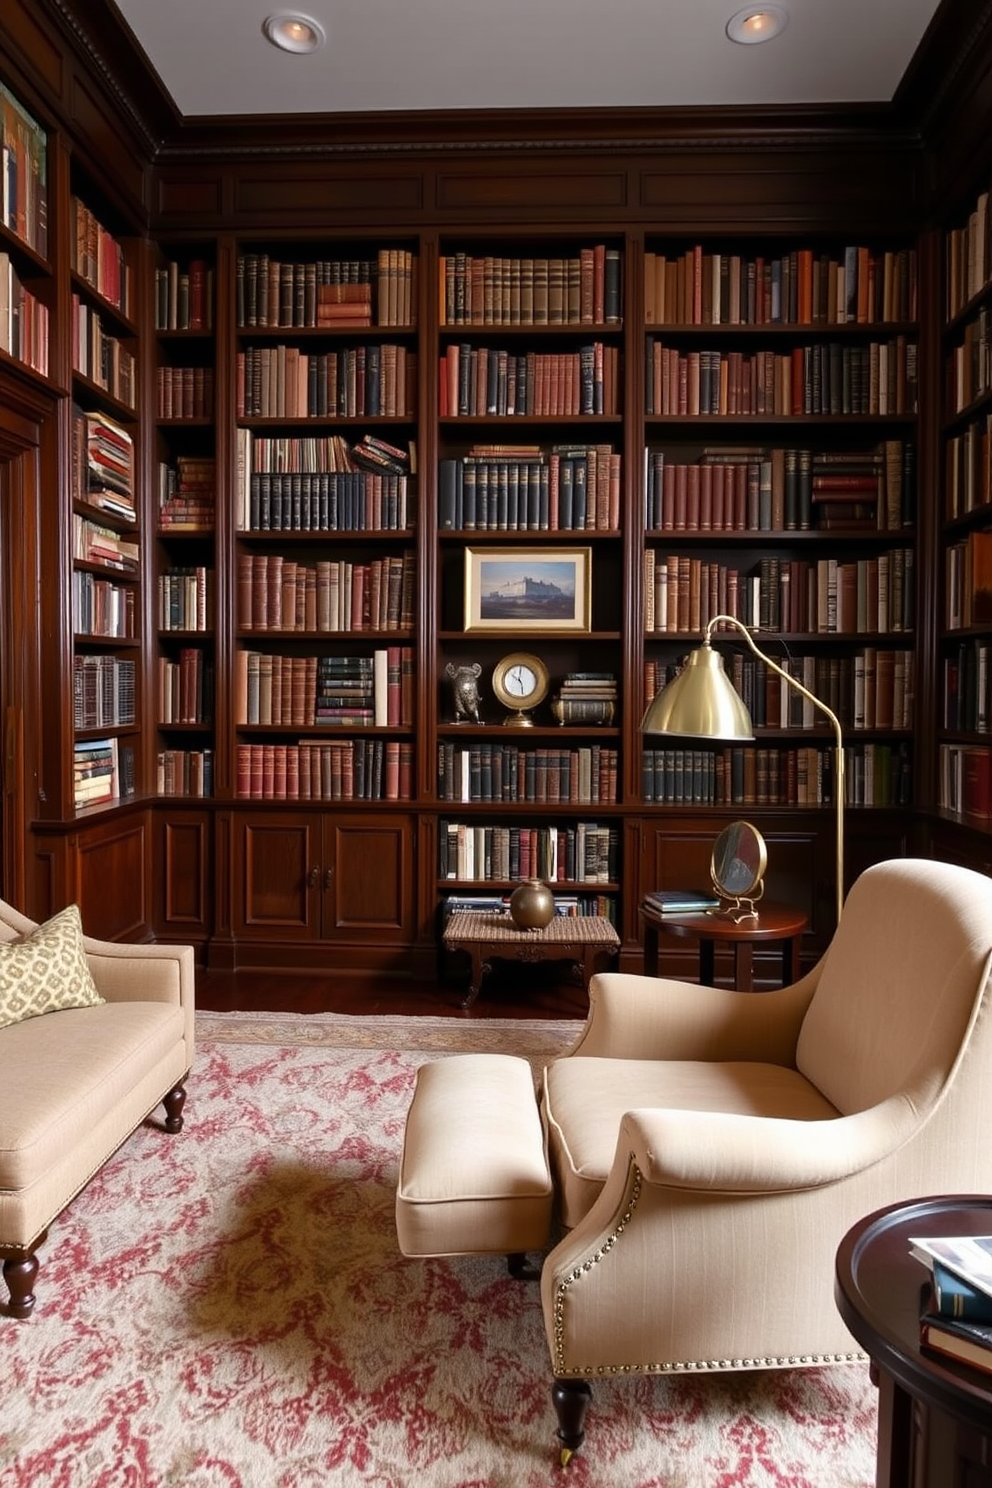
(384,55)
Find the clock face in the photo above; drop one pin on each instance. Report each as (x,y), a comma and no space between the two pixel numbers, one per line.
(520,680)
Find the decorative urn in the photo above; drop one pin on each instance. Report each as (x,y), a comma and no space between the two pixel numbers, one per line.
(532,905)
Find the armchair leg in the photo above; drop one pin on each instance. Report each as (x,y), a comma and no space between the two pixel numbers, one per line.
(19,1277)
(571,1401)
(520,1268)
(173,1103)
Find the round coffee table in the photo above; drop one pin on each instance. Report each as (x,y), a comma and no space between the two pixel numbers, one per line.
(934,1415)
(774,922)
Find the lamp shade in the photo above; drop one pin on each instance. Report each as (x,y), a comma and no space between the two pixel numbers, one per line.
(701,702)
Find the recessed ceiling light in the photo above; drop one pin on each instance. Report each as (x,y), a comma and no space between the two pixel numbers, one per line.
(294,33)
(757,23)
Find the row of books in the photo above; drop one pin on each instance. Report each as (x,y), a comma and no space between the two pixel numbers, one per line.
(185,688)
(476,381)
(286,382)
(380,290)
(321,484)
(964,782)
(102,468)
(968,256)
(184,772)
(968,576)
(835,378)
(95,771)
(187,494)
(309,454)
(99,258)
(23,320)
(185,598)
(101,607)
(968,468)
(581,289)
(518,488)
(602,906)
(968,687)
(956,1307)
(506,772)
(874,775)
(309,691)
(184,297)
(101,357)
(103,691)
(93,542)
(870,689)
(794,596)
(585,853)
(347,770)
(23,173)
(278,593)
(802,287)
(185,392)
(968,368)
(758,489)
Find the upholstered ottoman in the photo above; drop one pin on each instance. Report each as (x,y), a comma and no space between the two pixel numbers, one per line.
(474,1177)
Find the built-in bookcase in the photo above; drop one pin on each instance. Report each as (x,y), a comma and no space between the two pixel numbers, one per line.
(964,756)
(184,511)
(107,514)
(26,283)
(781,403)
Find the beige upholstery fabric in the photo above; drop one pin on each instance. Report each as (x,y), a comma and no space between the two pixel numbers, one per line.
(473,1175)
(706,1216)
(74,1085)
(46,970)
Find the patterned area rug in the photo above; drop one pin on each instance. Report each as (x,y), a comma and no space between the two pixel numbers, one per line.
(228,1309)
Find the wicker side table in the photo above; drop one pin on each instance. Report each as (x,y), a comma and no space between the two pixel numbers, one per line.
(579,939)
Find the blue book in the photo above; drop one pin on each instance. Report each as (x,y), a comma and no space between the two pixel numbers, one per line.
(954,1298)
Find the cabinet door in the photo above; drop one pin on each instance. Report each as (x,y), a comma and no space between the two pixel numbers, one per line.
(369,879)
(182,904)
(277,871)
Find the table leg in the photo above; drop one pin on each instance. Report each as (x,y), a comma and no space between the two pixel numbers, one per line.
(744,966)
(479,970)
(707,961)
(790,960)
(650,949)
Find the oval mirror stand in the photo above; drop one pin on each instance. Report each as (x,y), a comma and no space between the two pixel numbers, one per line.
(737,869)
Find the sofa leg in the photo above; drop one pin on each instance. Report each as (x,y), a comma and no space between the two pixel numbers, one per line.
(19,1277)
(571,1400)
(174,1102)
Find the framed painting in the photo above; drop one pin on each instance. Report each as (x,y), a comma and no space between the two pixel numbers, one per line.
(537,591)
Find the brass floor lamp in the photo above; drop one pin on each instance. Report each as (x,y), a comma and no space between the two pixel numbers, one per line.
(702,703)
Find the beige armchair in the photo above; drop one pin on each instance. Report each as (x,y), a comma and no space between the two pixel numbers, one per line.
(709,1149)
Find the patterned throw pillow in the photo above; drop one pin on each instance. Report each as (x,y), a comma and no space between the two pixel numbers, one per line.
(46,970)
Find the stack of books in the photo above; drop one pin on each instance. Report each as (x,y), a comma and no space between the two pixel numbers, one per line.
(586,697)
(681,901)
(956,1320)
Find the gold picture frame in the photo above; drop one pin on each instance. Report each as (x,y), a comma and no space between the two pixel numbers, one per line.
(528,591)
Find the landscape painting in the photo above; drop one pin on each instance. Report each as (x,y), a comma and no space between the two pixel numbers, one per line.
(538,590)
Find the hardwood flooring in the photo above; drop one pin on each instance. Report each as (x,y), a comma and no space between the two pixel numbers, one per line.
(510,991)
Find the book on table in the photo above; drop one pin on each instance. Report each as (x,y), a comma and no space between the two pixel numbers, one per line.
(968,1257)
(681,901)
(968,1343)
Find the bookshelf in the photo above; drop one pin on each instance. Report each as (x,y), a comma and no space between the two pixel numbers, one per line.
(964,754)
(185,517)
(26,285)
(779,477)
(530,434)
(106,521)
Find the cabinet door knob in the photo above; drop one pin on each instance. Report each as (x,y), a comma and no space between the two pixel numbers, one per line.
(328,876)
(313,878)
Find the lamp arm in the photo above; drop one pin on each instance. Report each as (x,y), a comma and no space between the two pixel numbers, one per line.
(811,697)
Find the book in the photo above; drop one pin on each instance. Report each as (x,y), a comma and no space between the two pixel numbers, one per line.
(951,1297)
(681,901)
(966,1256)
(969,1343)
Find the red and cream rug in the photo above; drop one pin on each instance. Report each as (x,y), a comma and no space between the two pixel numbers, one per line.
(228,1309)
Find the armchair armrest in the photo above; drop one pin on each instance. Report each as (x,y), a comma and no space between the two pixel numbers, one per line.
(723,1152)
(642,1017)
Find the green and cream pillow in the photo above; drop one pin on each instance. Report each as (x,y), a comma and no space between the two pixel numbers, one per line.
(46,970)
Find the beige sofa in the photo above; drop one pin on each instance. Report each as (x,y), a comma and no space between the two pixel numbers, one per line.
(76,1082)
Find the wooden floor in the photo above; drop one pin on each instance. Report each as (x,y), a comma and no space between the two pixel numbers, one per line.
(510,991)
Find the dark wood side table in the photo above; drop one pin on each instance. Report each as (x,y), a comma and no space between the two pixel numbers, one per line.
(934,1415)
(775,922)
(580,939)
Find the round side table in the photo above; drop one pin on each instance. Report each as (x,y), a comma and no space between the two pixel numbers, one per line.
(775,922)
(934,1415)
